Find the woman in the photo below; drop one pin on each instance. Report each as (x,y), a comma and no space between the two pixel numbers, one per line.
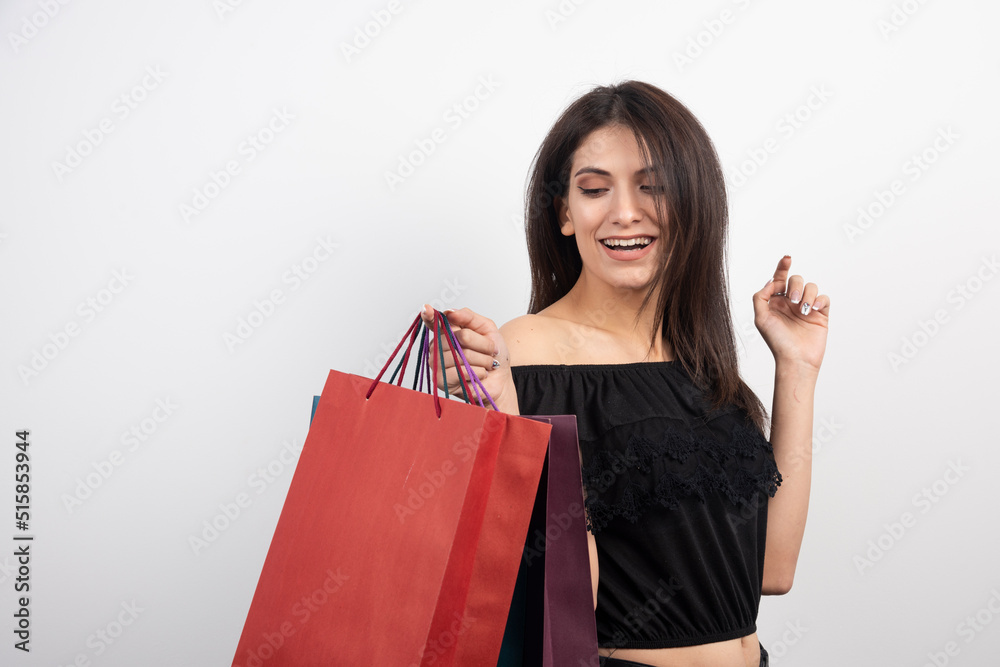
(629,328)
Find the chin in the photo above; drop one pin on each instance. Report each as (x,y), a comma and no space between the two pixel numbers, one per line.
(637,286)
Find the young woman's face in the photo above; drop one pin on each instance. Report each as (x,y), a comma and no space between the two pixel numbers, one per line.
(610,208)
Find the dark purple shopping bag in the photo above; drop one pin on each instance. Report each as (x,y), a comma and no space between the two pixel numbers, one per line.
(552,621)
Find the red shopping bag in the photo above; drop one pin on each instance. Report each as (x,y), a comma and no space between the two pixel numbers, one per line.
(374,558)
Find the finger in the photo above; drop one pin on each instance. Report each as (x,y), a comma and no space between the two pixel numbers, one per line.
(822,303)
(781,273)
(441,363)
(794,289)
(808,298)
(480,372)
(467,339)
(427,314)
(483,326)
(762,297)
(476,367)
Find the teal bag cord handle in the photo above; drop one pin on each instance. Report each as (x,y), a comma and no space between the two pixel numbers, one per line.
(455,345)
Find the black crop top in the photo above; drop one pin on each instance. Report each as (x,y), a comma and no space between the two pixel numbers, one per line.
(676,499)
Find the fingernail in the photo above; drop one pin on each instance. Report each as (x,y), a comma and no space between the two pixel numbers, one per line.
(448,310)
(795,296)
(805,308)
(769,282)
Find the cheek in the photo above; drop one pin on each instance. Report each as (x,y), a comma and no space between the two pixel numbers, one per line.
(589,214)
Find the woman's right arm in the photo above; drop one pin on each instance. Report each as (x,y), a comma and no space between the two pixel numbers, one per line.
(594,570)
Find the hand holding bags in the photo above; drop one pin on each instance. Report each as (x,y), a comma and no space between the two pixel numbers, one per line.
(399,538)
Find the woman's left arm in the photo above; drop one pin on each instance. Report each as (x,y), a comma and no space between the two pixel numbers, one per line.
(791,437)
(792,318)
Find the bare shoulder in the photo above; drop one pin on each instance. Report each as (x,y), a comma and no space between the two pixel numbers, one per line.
(530,339)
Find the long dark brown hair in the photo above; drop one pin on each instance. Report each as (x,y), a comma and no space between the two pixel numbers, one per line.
(692,312)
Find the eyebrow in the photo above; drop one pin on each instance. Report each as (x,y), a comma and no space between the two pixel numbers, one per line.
(602,172)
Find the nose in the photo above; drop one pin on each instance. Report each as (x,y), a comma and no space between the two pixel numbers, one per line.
(625,206)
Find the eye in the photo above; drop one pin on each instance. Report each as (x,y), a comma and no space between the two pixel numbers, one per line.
(654,189)
(592,192)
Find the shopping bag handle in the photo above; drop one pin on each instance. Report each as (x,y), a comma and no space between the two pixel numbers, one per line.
(456,349)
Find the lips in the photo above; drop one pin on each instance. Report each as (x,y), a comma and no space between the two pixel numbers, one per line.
(629,253)
(627,241)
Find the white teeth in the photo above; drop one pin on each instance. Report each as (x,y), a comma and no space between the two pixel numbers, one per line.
(611,243)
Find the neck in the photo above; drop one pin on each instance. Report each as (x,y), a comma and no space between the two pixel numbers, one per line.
(613,310)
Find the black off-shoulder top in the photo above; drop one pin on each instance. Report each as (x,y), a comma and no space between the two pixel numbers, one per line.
(676,499)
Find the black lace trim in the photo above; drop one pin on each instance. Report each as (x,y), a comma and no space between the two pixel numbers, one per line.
(745,448)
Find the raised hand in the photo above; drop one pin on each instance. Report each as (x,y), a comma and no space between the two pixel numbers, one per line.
(792,318)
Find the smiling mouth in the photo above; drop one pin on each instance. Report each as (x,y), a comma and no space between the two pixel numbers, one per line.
(626,245)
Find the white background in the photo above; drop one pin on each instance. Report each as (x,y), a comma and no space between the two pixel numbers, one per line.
(451,234)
